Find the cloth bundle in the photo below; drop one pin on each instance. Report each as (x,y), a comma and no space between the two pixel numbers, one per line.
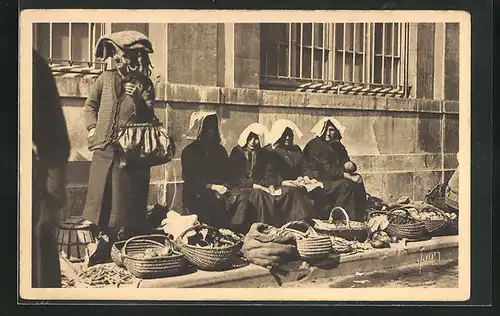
(268,246)
(125,40)
(175,224)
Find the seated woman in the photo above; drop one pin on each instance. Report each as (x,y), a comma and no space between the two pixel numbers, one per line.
(288,157)
(207,178)
(255,173)
(327,160)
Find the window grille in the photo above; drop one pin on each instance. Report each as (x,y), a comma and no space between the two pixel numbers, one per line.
(343,58)
(69,47)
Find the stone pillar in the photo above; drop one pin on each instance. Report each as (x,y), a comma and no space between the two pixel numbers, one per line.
(246,55)
(439,49)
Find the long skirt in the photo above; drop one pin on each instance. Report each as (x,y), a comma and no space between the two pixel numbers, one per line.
(292,205)
(345,193)
(221,211)
(117,197)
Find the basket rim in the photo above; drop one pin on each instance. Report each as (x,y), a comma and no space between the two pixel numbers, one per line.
(175,255)
(181,243)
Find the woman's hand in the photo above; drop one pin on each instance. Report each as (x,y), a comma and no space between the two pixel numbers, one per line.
(218,188)
(290,183)
(353,177)
(132,90)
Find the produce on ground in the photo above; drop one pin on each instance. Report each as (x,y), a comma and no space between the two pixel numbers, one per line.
(211,237)
(105,275)
(151,253)
(341,245)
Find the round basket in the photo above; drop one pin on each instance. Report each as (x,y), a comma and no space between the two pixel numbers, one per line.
(149,268)
(310,245)
(435,227)
(347,229)
(412,230)
(134,248)
(208,258)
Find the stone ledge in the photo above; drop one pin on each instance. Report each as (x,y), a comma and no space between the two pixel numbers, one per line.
(438,250)
(78,87)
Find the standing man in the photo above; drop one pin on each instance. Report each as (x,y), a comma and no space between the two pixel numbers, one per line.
(50,156)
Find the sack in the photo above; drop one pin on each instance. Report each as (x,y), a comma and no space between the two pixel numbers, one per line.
(145,145)
(268,246)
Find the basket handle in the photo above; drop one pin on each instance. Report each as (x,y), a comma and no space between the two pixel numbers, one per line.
(336,208)
(193,228)
(310,229)
(124,249)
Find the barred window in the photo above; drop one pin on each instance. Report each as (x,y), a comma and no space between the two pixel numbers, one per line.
(345,58)
(70,47)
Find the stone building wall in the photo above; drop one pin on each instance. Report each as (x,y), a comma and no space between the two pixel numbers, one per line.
(401,146)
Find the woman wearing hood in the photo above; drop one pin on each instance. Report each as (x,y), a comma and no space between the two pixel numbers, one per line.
(255,172)
(207,189)
(327,161)
(117,196)
(288,157)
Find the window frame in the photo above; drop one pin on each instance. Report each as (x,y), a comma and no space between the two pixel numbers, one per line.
(330,81)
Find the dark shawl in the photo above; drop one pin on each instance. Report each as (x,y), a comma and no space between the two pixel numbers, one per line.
(245,174)
(202,165)
(288,162)
(324,161)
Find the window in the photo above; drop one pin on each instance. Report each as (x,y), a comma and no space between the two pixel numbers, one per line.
(70,47)
(346,58)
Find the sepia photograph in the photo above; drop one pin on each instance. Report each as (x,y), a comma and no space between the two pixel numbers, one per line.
(266,155)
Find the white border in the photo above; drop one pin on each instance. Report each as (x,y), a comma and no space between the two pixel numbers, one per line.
(228,16)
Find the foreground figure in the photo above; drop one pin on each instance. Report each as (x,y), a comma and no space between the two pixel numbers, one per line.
(117,196)
(327,160)
(207,189)
(50,155)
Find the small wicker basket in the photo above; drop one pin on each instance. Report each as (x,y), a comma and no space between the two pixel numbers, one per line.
(209,258)
(349,230)
(148,268)
(310,245)
(134,248)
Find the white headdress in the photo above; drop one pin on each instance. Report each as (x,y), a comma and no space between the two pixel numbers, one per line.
(256,128)
(279,128)
(196,124)
(320,127)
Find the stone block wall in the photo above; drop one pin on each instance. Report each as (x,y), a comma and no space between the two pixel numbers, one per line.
(402,146)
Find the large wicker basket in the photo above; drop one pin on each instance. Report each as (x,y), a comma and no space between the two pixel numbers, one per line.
(439,227)
(310,245)
(412,230)
(209,258)
(148,268)
(347,229)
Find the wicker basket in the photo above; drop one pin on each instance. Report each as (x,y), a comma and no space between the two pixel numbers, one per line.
(434,227)
(151,267)
(209,258)
(412,230)
(134,248)
(310,245)
(351,230)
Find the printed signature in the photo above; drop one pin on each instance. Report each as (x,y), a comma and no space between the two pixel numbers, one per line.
(428,257)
